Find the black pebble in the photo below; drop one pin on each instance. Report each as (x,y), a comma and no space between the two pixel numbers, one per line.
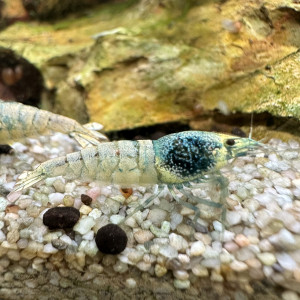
(111,239)
(61,217)
(6,149)
(85,199)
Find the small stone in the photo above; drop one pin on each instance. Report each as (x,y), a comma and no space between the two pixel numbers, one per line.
(143,236)
(70,187)
(48,248)
(95,213)
(85,199)
(176,219)
(59,244)
(268,259)
(116,219)
(61,217)
(231,247)
(157,216)
(253,263)
(181,274)
(200,271)
(197,248)
(286,261)
(68,200)
(233,217)
(178,242)
(238,266)
(59,186)
(215,276)
(12,209)
(168,251)
(126,192)
(244,253)
(120,267)
(130,283)
(56,198)
(3,204)
(182,284)
(85,210)
(94,192)
(6,149)
(160,270)
(111,239)
(185,230)
(289,295)
(242,240)
(84,225)
(158,232)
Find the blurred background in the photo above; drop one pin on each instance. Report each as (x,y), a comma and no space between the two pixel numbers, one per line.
(144,68)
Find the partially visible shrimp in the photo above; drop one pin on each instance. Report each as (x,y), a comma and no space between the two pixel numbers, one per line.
(174,160)
(18,121)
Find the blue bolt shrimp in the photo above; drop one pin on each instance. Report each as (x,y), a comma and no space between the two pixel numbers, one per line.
(174,160)
(18,121)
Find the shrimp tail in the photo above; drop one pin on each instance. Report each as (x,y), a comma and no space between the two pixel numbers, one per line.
(92,137)
(27,179)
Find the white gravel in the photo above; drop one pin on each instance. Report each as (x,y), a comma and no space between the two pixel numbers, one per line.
(261,239)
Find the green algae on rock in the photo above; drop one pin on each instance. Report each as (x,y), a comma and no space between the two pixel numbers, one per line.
(132,64)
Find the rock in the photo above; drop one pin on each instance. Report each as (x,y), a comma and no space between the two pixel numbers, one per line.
(84,225)
(182,284)
(130,283)
(157,216)
(286,261)
(268,259)
(61,217)
(111,239)
(168,251)
(178,242)
(289,295)
(85,210)
(197,248)
(68,200)
(86,199)
(160,270)
(238,266)
(233,217)
(142,236)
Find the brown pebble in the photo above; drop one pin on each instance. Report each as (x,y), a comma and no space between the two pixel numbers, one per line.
(111,239)
(85,199)
(61,217)
(6,149)
(126,192)
(12,209)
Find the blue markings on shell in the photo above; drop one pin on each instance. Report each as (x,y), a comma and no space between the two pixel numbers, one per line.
(187,154)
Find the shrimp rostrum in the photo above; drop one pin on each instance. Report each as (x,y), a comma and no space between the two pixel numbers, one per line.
(174,160)
(18,121)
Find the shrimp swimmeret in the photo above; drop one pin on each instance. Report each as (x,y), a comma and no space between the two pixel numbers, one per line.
(175,160)
(18,121)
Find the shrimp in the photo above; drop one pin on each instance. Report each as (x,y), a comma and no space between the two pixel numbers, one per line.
(18,121)
(174,160)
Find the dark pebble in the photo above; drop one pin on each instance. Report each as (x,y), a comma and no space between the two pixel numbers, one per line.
(61,217)
(85,199)
(111,239)
(6,149)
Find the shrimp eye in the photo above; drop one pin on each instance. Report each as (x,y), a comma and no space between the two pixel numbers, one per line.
(230,142)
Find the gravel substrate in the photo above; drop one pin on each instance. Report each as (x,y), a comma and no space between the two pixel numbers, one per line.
(261,242)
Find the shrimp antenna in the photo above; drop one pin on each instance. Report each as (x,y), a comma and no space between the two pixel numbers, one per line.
(251,126)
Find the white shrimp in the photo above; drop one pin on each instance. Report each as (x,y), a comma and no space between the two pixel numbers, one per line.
(18,121)
(174,160)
